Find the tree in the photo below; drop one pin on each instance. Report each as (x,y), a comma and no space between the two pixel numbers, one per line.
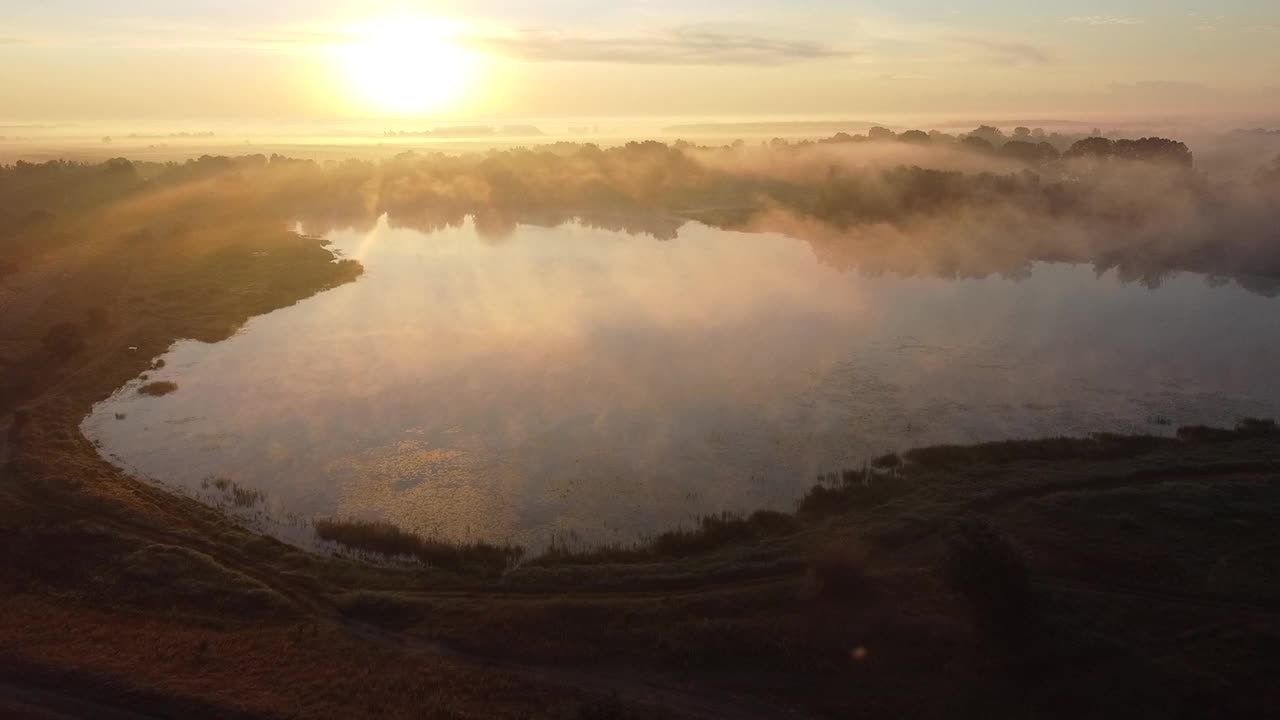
(914,136)
(1270,175)
(1021,151)
(1021,133)
(990,134)
(1029,152)
(1047,152)
(978,144)
(879,133)
(1093,147)
(1154,149)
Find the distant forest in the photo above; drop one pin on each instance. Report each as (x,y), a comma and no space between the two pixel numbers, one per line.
(908,203)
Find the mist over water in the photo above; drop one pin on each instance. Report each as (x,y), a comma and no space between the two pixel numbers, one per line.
(579,379)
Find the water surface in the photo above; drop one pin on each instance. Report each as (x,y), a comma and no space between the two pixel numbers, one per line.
(586,380)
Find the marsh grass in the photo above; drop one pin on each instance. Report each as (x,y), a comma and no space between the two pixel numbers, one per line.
(387,540)
(1248,428)
(1099,446)
(158,388)
(241,497)
(711,532)
(850,490)
(890,461)
(883,480)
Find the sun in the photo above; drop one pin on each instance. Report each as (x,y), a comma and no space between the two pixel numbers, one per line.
(406,66)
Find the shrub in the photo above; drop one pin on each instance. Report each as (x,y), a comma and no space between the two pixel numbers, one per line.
(989,573)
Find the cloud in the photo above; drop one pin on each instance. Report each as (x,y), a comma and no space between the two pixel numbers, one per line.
(12,41)
(1004,52)
(1163,90)
(677,46)
(300,37)
(905,76)
(1098,20)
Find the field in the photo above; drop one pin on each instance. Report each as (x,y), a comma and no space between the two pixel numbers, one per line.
(1109,576)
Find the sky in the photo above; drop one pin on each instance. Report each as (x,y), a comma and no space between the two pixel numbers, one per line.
(296,60)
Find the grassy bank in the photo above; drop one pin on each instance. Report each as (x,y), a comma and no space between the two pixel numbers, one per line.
(882,481)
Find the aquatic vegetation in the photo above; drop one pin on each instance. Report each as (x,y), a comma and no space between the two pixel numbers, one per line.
(158,388)
(383,538)
(241,497)
(710,533)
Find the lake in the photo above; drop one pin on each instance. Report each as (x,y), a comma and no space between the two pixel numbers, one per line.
(586,381)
